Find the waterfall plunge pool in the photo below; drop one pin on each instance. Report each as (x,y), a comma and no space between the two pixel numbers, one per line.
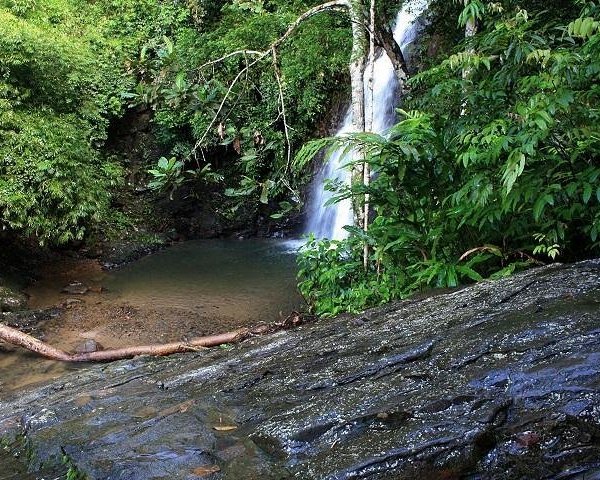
(191,289)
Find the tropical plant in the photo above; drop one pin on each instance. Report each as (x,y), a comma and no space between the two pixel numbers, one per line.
(57,91)
(493,169)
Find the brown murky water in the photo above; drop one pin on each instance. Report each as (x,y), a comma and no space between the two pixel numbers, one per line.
(191,289)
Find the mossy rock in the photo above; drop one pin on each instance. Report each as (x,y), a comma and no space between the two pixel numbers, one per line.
(131,248)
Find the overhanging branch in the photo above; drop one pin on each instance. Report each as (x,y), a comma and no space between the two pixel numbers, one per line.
(260,55)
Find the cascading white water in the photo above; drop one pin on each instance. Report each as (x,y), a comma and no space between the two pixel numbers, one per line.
(329,221)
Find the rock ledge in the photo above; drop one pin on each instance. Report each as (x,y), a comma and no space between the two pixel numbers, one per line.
(496,381)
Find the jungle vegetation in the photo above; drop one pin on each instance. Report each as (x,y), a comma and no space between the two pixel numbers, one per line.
(69,69)
(492,166)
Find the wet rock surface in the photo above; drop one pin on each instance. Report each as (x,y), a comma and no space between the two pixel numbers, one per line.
(88,346)
(500,380)
(76,288)
(29,321)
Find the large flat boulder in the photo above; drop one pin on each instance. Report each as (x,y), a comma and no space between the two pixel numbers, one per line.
(500,380)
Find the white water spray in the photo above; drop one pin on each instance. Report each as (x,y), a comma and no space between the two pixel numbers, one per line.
(329,221)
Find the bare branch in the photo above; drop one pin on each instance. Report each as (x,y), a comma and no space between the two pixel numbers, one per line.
(332,5)
(32,344)
(222,104)
(245,53)
(283,114)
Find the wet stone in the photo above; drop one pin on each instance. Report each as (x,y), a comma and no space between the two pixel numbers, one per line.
(76,288)
(478,383)
(89,346)
(71,302)
(29,321)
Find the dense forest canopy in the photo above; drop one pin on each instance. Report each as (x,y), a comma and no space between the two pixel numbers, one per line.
(60,79)
(493,165)
(71,67)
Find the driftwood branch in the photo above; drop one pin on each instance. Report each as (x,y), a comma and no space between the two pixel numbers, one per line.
(16,337)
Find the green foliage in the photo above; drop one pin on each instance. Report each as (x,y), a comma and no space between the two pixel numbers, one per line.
(242,125)
(61,75)
(68,67)
(51,181)
(332,278)
(169,175)
(72,473)
(474,10)
(491,171)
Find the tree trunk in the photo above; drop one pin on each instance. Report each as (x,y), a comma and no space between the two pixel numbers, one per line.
(471,26)
(385,39)
(357,80)
(470,31)
(370,119)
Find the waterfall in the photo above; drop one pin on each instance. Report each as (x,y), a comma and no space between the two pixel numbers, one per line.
(329,221)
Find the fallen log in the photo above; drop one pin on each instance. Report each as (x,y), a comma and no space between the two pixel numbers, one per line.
(16,337)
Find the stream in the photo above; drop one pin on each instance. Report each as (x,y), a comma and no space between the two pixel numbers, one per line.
(192,289)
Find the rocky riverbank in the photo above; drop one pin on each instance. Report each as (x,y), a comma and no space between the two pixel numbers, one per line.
(500,380)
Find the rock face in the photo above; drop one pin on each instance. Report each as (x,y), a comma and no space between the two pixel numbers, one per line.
(500,380)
